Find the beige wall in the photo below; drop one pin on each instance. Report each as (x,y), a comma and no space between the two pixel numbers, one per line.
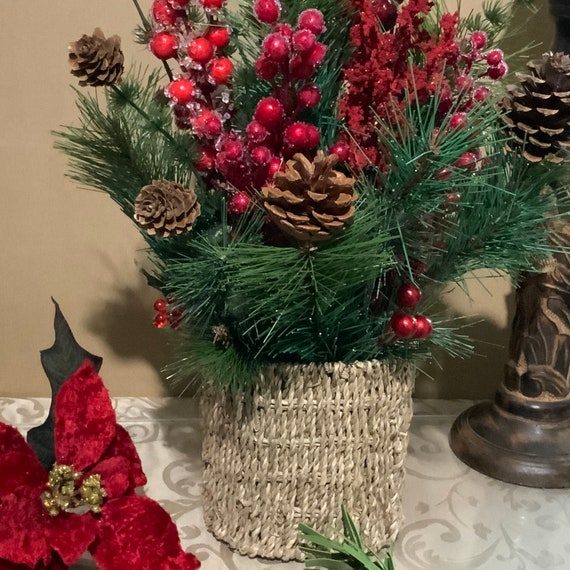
(76,246)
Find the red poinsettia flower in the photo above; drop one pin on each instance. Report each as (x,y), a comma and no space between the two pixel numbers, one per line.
(87,501)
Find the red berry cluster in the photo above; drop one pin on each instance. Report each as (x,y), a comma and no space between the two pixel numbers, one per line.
(404,324)
(166,315)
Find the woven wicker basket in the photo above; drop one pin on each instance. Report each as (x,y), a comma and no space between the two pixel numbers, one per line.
(311,439)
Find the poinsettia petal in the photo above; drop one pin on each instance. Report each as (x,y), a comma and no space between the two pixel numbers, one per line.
(70,535)
(23,520)
(114,474)
(185,561)
(20,470)
(84,419)
(123,446)
(136,532)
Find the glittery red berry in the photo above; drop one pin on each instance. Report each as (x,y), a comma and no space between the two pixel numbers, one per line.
(164,45)
(275,47)
(300,69)
(239,203)
(408,296)
(164,14)
(301,136)
(481,93)
(219,36)
(303,40)
(403,325)
(458,121)
(206,160)
(275,165)
(256,132)
(478,40)
(221,70)
(284,29)
(233,149)
(160,321)
(494,57)
(341,149)
(424,327)
(207,125)
(265,68)
(498,71)
(160,305)
(179,3)
(313,20)
(267,11)
(181,91)
(443,174)
(387,13)
(308,96)
(269,112)
(317,55)
(260,155)
(200,50)
(467,160)
(212,4)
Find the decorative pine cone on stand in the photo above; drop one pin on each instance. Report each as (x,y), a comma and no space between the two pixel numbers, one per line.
(97,61)
(538,113)
(164,208)
(310,200)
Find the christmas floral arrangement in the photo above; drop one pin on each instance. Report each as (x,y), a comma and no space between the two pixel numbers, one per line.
(307,177)
(71,488)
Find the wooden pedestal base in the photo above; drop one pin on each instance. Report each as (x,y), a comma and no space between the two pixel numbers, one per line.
(516,439)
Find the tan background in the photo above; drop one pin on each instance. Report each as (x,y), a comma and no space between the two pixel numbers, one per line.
(76,246)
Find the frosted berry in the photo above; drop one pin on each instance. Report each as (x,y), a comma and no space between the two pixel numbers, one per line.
(218,36)
(266,69)
(494,57)
(458,121)
(275,47)
(403,325)
(181,91)
(313,20)
(443,174)
(256,132)
(453,198)
(164,14)
(308,96)
(387,13)
(317,55)
(206,160)
(284,29)
(467,160)
(200,50)
(269,112)
(301,136)
(478,40)
(164,45)
(498,71)
(341,149)
(275,165)
(179,3)
(424,327)
(464,82)
(300,69)
(221,70)
(207,125)
(408,296)
(239,203)
(303,40)
(481,93)
(233,149)
(160,321)
(212,4)
(260,155)
(267,11)
(160,305)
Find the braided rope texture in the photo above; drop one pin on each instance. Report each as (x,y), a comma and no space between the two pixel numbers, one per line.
(310,439)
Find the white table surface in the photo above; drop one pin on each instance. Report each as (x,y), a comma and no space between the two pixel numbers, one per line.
(455,518)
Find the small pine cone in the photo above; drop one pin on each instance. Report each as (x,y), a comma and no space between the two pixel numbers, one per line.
(538,110)
(222,338)
(309,200)
(96,60)
(164,208)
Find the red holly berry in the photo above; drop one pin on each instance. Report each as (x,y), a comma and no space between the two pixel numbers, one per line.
(341,149)
(160,321)
(453,197)
(212,4)
(260,155)
(424,327)
(478,40)
(233,149)
(300,69)
(313,20)
(207,125)
(181,91)
(284,29)
(498,71)
(301,136)
(481,93)
(265,68)
(239,203)
(494,57)
(403,325)
(163,45)
(256,132)
(275,165)
(180,3)
(317,55)
(275,47)
(160,305)
(267,11)
(164,14)
(221,70)
(443,174)
(219,36)
(457,121)
(269,112)
(464,82)
(467,160)
(200,50)
(386,13)
(206,160)
(308,96)
(408,296)
(303,40)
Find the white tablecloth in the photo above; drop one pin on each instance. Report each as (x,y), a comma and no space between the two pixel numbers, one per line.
(455,518)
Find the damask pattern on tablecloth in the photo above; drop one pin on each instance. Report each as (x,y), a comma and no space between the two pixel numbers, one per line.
(456,519)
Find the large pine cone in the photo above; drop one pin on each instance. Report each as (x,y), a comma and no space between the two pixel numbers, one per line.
(164,208)
(96,60)
(309,200)
(538,109)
